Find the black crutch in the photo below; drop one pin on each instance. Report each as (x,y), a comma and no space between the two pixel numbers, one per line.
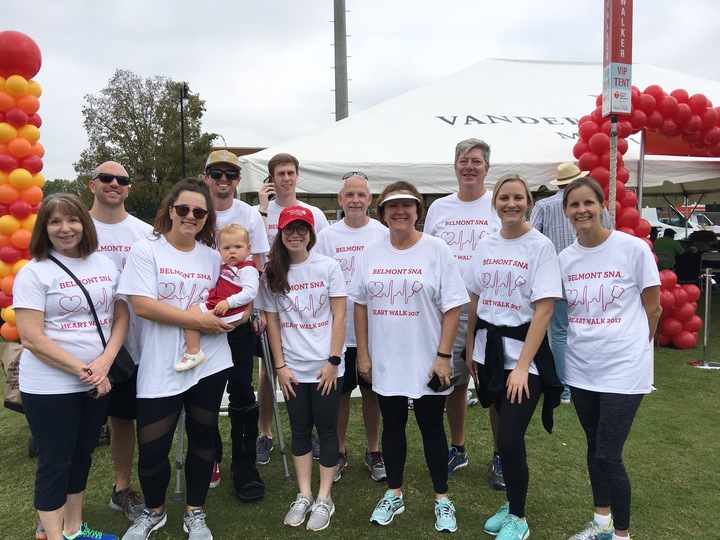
(179,455)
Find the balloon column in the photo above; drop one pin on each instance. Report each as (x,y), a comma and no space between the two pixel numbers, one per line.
(675,114)
(21,155)
(680,324)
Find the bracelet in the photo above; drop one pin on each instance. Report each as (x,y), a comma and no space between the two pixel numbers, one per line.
(443,355)
(263,214)
(279,368)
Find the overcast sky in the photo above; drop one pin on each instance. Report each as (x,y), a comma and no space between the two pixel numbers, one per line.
(265,71)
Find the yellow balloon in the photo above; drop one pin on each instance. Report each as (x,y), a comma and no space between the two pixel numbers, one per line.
(5,269)
(7,132)
(37,179)
(18,265)
(34,88)
(8,224)
(20,178)
(28,223)
(8,315)
(16,85)
(29,132)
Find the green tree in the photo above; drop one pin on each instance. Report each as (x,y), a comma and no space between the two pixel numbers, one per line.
(76,187)
(136,122)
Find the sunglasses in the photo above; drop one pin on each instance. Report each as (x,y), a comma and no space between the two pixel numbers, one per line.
(302,230)
(355,173)
(217,174)
(106,178)
(183,209)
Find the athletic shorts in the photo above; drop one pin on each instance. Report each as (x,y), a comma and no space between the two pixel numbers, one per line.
(352,378)
(123,399)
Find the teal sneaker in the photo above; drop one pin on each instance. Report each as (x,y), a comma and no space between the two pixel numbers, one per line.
(495,523)
(445,516)
(388,507)
(514,528)
(593,531)
(86,533)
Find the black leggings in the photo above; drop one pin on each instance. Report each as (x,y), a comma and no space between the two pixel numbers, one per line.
(429,417)
(514,421)
(607,419)
(157,418)
(310,407)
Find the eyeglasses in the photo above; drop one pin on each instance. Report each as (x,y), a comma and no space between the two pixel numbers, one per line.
(302,230)
(183,209)
(355,173)
(217,174)
(106,178)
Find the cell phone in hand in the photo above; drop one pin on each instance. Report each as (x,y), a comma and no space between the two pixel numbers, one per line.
(269,180)
(435,386)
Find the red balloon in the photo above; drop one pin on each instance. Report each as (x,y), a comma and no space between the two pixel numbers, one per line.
(10,254)
(655,120)
(580,148)
(668,127)
(628,217)
(712,136)
(598,100)
(709,118)
(5,300)
(597,114)
(16,117)
(20,209)
(642,229)
(680,94)
(693,325)
(638,118)
(667,300)
(693,124)
(698,103)
(588,129)
(693,292)
(588,161)
(692,138)
(32,163)
(623,175)
(655,91)
(630,197)
(683,312)
(646,103)
(685,340)
(625,128)
(8,163)
(683,113)
(667,106)
(649,244)
(664,340)
(627,230)
(622,146)
(680,296)
(670,279)
(601,175)
(714,151)
(35,120)
(670,326)
(599,143)
(19,55)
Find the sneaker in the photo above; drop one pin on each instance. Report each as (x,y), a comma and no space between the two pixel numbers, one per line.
(341,467)
(298,510)
(514,528)
(565,396)
(194,524)
(497,481)
(375,463)
(411,404)
(495,523)
(148,522)
(445,516)
(263,448)
(388,507)
(40,533)
(320,515)
(315,441)
(189,361)
(471,401)
(215,477)
(456,460)
(86,533)
(127,500)
(593,531)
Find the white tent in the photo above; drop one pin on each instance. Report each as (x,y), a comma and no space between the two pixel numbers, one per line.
(526,110)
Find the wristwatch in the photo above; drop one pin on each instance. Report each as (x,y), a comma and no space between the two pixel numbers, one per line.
(334,360)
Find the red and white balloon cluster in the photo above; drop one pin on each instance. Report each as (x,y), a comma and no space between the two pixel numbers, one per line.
(680,324)
(21,155)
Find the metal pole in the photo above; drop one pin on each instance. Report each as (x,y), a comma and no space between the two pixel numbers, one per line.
(706,330)
(641,171)
(183,97)
(613,167)
(341,77)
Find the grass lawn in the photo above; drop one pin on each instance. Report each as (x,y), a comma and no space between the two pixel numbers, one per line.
(672,457)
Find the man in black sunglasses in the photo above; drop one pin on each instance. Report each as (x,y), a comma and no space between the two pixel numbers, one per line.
(222,174)
(117,231)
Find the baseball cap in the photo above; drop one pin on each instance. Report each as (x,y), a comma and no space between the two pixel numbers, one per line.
(222,156)
(295,213)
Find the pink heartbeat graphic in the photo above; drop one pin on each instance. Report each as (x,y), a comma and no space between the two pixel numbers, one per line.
(287,305)
(377,289)
(450,238)
(495,282)
(347,266)
(170,291)
(75,303)
(574,299)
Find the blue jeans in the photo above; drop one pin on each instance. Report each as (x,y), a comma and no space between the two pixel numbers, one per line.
(558,340)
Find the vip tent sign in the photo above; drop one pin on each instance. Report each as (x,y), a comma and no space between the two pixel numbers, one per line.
(617,58)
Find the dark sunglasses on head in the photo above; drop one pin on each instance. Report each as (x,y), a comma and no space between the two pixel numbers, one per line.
(302,230)
(355,173)
(106,178)
(183,209)
(217,174)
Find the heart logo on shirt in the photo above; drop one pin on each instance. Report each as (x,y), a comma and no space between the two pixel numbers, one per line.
(375,288)
(286,304)
(571,295)
(166,290)
(71,304)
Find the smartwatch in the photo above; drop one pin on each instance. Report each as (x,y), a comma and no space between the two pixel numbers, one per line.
(334,360)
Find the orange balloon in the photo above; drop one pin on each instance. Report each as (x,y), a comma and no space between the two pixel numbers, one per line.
(19,147)
(34,88)
(5,241)
(20,178)
(39,179)
(3,148)
(18,265)
(38,150)
(29,222)
(16,85)
(6,284)
(31,194)
(3,177)
(8,193)
(9,224)
(9,332)
(2,83)
(29,132)
(7,132)
(5,269)
(21,238)
(28,103)
(7,102)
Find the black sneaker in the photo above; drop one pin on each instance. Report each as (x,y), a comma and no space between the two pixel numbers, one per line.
(497,481)
(128,501)
(342,466)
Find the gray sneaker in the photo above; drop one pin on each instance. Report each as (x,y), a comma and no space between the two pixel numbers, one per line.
(342,466)
(263,448)
(320,515)
(298,510)
(194,524)
(128,501)
(375,463)
(315,446)
(148,522)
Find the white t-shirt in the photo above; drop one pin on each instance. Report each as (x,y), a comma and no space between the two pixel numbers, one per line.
(509,276)
(273,216)
(406,293)
(344,244)
(157,270)
(44,286)
(243,214)
(462,225)
(608,347)
(115,241)
(305,314)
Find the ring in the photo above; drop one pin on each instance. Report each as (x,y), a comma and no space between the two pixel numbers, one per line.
(89,371)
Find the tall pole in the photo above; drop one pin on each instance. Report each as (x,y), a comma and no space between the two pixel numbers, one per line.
(341,76)
(184,98)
